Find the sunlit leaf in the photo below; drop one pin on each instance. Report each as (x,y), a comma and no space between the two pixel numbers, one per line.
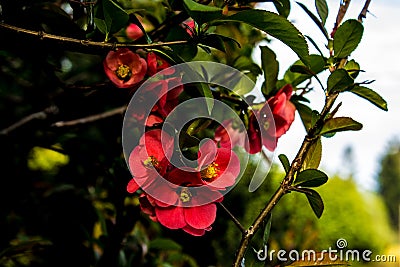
(339,81)
(340,124)
(315,19)
(317,65)
(276,26)
(310,178)
(201,13)
(370,95)
(347,38)
(270,67)
(285,162)
(314,155)
(315,201)
(322,9)
(283,7)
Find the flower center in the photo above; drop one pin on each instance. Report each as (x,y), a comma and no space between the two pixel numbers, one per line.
(185,195)
(123,72)
(151,161)
(210,172)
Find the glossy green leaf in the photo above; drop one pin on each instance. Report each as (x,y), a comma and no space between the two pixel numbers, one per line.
(314,155)
(347,38)
(110,17)
(340,124)
(283,7)
(276,26)
(267,228)
(310,178)
(285,162)
(198,125)
(319,24)
(317,65)
(322,9)
(270,67)
(370,95)
(353,68)
(201,13)
(315,201)
(305,114)
(339,81)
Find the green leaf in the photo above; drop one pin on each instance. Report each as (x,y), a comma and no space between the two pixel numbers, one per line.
(347,38)
(285,162)
(370,95)
(315,201)
(317,64)
(198,125)
(340,124)
(353,68)
(314,155)
(267,229)
(315,19)
(283,7)
(276,26)
(310,178)
(201,13)
(305,114)
(164,244)
(110,17)
(217,41)
(322,9)
(339,81)
(270,67)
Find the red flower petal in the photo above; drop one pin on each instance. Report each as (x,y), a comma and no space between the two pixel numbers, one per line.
(201,217)
(132,186)
(193,231)
(171,217)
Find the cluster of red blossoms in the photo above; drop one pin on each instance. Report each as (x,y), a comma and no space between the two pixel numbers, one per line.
(182,197)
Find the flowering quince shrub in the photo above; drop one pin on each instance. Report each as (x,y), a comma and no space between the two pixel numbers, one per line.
(183,75)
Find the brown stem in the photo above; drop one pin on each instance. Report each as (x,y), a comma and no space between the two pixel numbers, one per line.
(78,44)
(91,118)
(41,115)
(342,11)
(285,186)
(363,13)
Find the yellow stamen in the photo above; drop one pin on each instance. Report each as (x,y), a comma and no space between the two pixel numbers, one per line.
(123,72)
(185,195)
(210,172)
(151,161)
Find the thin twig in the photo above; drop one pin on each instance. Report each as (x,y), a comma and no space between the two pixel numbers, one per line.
(285,186)
(233,218)
(78,43)
(91,118)
(344,5)
(41,115)
(363,13)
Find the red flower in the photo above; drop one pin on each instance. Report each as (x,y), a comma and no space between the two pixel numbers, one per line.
(283,112)
(156,64)
(189,27)
(133,32)
(150,158)
(166,93)
(185,208)
(218,167)
(124,68)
